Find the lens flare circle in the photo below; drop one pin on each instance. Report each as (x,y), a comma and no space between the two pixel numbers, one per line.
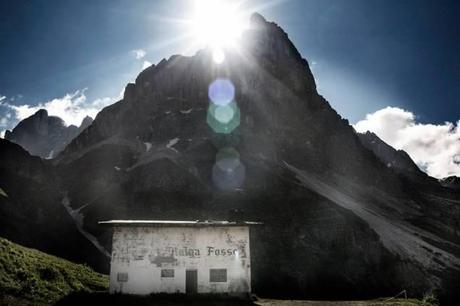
(223,119)
(228,173)
(221,91)
(228,159)
(224,114)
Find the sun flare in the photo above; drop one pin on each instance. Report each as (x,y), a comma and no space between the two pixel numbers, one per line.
(218,23)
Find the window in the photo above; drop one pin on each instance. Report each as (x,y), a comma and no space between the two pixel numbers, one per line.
(218,275)
(167,272)
(122,277)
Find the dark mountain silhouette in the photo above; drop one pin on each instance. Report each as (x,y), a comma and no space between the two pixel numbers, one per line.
(398,160)
(44,135)
(452,182)
(339,223)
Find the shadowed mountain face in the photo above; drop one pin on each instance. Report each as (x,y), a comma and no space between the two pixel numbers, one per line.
(44,135)
(336,217)
(31,212)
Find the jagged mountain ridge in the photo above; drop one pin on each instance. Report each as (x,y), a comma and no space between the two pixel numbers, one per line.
(399,160)
(43,135)
(336,217)
(451,182)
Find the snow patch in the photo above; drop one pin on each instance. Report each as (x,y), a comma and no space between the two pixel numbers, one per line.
(50,155)
(148,146)
(77,216)
(188,111)
(171,143)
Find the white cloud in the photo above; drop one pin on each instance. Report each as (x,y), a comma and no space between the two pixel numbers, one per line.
(100,103)
(3,121)
(139,53)
(146,64)
(72,107)
(434,147)
(121,94)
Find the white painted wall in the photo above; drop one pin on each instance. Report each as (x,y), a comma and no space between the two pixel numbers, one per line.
(143,251)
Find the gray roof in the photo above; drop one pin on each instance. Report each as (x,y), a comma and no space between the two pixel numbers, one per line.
(174,223)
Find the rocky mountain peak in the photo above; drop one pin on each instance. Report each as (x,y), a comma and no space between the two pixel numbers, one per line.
(269,40)
(41,113)
(267,62)
(43,135)
(257,20)
(87,121)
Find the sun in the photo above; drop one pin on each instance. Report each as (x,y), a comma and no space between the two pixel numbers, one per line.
(218,24)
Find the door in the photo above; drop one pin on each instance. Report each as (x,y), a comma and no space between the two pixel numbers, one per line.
(191,281)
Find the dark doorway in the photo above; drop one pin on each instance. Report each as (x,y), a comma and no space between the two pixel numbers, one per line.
(191,281)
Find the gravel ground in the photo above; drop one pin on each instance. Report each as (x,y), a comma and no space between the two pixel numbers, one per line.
(394,302)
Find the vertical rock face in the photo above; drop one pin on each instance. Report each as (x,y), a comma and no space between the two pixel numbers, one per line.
(44,135)
(336,217)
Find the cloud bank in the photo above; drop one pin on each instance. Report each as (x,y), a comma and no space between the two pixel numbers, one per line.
(435,148)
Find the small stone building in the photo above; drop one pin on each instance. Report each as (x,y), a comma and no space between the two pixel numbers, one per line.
(180,257)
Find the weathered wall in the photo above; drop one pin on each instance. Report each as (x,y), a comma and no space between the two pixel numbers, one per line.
(142,252)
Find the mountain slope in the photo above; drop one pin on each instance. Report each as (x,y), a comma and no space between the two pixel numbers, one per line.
(31,212)
(44,135)
(30,277)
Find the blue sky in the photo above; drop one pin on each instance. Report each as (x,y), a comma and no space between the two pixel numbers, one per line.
(365,54)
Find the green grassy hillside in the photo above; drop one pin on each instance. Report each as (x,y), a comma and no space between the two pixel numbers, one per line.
(30,277)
